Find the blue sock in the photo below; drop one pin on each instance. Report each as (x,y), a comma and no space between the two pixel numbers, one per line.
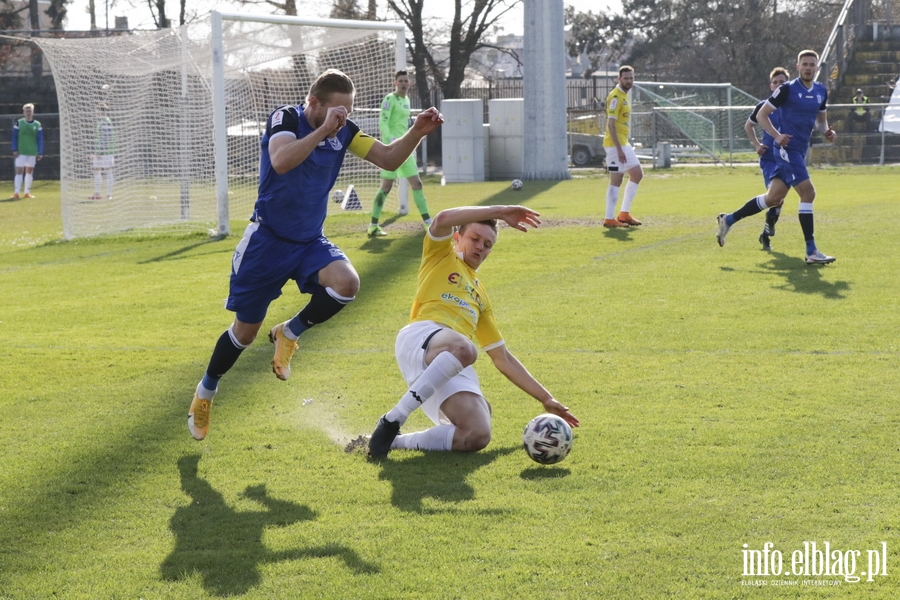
(297,326)
(209,382)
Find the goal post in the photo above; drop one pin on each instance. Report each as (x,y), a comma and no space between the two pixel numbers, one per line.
(189,105)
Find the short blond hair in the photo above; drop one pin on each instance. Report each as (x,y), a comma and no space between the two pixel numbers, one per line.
(331,82)
(29,105)
(803,53)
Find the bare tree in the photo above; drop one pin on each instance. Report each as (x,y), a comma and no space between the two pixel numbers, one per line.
(346,9)
(158,12)
(287,7)
(465,38)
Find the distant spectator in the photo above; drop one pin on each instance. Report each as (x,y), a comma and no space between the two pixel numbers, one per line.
(28,148)
(859,118)
(103,158)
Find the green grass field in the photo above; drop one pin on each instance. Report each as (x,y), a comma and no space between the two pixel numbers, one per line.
(728,397)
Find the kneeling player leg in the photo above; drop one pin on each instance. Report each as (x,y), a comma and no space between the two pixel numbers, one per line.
(471,415)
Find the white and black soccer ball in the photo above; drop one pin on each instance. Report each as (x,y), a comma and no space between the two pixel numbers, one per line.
(516,184)
(337,196)
(547,439)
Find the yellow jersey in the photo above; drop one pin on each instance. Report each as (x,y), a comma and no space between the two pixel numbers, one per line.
(450,293)
(619,109)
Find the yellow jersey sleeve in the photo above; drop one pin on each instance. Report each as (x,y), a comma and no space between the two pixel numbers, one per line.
(449,292)
(618,115)
(361,144)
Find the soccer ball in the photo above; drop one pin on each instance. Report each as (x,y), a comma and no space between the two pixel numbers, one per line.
(547,439)
(516,184)
(337,196)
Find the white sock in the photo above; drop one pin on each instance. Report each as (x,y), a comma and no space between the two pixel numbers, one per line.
(443,368)
(630,192)
(98,182)
(438,438)
(28,179)
(205,394)
(18,182)
(110,179)
(612,198)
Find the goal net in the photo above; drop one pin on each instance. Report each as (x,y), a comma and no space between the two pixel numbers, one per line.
(186,108)
(708,116)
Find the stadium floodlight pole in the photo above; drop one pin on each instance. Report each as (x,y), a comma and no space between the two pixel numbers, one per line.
(218,81)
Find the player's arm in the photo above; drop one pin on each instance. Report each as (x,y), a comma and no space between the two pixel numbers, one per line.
(823,126)
(767,109)
(751,135)
(516,217)
(750,129)
(614,136)
(15,139)
(390,156)
(516,372)
(40,143)
(287,152)
(777,99)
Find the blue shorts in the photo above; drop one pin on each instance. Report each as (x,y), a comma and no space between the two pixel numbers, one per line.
(263,263)
(786,165)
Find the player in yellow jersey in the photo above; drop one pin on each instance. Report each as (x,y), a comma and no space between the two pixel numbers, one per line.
(451,312)
(620,156)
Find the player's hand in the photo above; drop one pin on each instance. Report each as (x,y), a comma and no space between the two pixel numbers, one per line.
(518,217)
(783,139)
(335,118)
(761,149)
(554,407)
(40,156)
(15,154)
(622,159)
(427,121)
(830,134)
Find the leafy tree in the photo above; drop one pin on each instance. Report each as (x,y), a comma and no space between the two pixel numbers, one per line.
(706,41)
(9,15)
(600,37)
(57,13)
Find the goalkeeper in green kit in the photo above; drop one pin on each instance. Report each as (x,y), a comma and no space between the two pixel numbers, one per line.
(393,123)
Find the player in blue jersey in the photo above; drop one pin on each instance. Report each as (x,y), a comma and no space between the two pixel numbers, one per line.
(302,152)
(765,150)
(802,103)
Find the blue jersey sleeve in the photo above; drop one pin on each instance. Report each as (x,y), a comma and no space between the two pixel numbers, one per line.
(285,118)
(780,95)
(752,117)
(15,137)
(40,140)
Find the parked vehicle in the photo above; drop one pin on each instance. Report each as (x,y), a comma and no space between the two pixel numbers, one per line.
(586,149)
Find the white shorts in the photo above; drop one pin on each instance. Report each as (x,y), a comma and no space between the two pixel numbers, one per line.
(612,159)
(411,360)
(25,161)
(104,161)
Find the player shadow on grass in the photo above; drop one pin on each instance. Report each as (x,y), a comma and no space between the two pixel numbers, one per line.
(622,234)
(546,472)
(225,546)
(175,254)
(805,279)
(437,475)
